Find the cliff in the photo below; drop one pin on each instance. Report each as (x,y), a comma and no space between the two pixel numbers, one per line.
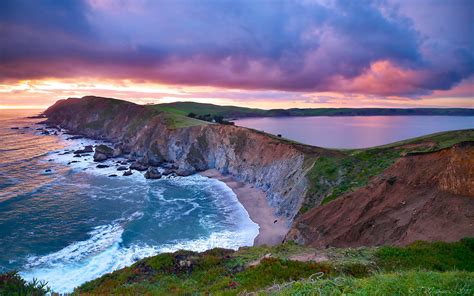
(423,196)
(276,166)
(394,194)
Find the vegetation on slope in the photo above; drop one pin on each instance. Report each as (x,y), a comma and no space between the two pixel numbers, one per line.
(184,108)
(288,269)
(415,283)
(419,267)
(330,177)
(12,284)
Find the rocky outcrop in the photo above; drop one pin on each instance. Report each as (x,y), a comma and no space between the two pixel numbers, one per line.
(276,166)
(428,196)
(152,173)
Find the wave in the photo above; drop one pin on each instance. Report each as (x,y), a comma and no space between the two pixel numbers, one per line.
(104,252)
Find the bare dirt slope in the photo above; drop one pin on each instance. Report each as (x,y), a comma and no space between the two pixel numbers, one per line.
(421,197)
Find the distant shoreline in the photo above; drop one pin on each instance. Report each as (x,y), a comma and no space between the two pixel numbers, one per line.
(255,203)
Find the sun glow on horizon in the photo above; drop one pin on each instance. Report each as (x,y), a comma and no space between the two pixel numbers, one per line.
(47,91)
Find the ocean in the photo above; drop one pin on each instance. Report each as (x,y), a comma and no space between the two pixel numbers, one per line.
(65,221)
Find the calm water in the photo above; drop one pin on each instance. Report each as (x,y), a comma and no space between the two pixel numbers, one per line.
(74,223)
(357,131)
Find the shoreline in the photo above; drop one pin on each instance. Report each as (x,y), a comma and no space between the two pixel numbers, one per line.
(255,203)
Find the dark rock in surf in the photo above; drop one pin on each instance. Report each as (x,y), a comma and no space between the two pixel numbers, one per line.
(122,168)
(152,173)
(128,173)
(99,156)
(87,149)
(138,166)
(102,166)
(102,152)
(75,138)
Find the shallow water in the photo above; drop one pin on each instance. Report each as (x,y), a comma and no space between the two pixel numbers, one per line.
(74,223)
(355,131)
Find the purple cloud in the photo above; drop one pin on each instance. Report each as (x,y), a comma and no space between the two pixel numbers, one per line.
(282,45)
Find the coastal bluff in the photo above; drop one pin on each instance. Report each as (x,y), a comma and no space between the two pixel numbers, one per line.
(418,189)
(274,165)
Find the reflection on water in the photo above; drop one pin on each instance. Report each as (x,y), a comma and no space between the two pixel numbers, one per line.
(356,131)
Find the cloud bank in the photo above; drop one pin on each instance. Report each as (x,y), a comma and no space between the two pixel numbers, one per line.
(381,48)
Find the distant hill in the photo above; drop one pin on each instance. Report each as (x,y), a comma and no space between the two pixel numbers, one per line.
(184,108)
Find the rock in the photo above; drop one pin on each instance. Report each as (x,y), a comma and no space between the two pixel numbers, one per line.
(117,151)
(152,173)
(26,127)
(168,171)
(122,168)
(183,172)
(138,166)
(14,128)
(152,159)
(168,165)
(99,156)
(45,133)
(77,155)
(87,149)
(102,152)
(113,175)
(48,170)
(102,166)
(128,173)
(75,137)
(104,149)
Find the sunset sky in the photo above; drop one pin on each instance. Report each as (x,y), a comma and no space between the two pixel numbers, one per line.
(267,54)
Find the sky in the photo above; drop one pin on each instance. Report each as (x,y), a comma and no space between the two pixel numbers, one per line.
(257,53)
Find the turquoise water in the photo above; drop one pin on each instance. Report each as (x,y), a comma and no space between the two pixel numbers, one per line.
(356,131)
(68,223)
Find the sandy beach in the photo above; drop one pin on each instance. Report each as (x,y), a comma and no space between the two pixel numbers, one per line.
(254,201)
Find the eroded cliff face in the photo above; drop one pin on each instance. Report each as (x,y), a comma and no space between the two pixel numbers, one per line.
(277,167)
(427,196)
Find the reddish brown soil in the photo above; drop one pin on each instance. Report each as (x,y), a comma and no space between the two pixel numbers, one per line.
(421,197)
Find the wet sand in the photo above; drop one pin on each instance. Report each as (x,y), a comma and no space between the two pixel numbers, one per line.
(254,201)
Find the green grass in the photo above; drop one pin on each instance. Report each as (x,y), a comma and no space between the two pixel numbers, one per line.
(175,121)
(357,271)
(399,283)
(421,268)
(184,108)
(437,256)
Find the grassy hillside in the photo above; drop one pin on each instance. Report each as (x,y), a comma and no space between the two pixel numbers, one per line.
(184,108)
(290,269)
(330,177)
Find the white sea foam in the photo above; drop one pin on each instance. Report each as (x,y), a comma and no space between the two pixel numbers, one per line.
(69,267)
(104,250)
